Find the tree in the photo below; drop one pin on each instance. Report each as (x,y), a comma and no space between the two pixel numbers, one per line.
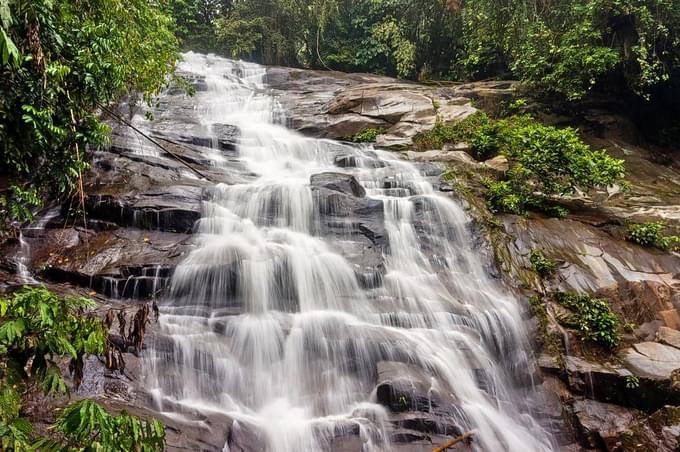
(70,58)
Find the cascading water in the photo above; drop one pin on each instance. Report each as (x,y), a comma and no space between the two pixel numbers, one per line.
(269,322)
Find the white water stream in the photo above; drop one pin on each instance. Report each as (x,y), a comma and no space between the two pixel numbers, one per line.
(268,322)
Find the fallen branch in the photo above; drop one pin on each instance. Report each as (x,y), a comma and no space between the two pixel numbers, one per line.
(168,151)
(466,437)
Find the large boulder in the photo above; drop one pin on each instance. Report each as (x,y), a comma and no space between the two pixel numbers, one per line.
(652,359)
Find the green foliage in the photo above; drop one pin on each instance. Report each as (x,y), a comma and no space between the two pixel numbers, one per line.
(37,326)
(74,56)
(367,135)
(572,45)
(544,266)
(632,382)
(653,234)
(544,161)
(441,134)
(37,329)
(592,317)
(89,427)
(193,22)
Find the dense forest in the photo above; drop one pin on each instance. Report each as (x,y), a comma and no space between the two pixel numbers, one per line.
(63,62)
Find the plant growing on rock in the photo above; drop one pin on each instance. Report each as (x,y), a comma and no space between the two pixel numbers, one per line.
(38,330)
(368,135)
(453,133)
(544,266)
(592,317)
(546,162)
(652,234)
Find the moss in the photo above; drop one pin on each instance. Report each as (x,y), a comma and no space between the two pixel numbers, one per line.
(542,265)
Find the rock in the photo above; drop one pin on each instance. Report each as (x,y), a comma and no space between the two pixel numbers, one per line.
(174,210)
(426,423)
(338,105)
(441,156)
(669,336)
(118,264)
(600,424)
(402,387)
(498,164)
(464,147)
(227,136)
(652,360)
(341,182)
(659,432)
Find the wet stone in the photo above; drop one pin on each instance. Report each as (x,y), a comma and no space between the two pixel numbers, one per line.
(344,183)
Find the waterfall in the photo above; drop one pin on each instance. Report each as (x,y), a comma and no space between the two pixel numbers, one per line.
(270,320)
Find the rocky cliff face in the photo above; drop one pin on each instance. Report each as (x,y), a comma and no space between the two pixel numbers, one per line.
(143,201)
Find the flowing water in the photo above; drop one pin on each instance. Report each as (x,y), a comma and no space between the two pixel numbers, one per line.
(270,321)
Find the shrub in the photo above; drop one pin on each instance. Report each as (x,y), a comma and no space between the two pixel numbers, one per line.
(37,329)
(592,317)
(367,135)
(545,161)
(441,134)
(86,423)
(652,234)
(542,265)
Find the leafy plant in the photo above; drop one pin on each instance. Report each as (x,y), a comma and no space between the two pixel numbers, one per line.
(37,329)
(74,56)
(592,317)
(541,264)
(652,234)
(544,162)
(458,132)
(368,135)
(87,426)
(632,382)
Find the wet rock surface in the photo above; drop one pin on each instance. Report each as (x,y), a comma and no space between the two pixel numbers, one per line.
(338,105)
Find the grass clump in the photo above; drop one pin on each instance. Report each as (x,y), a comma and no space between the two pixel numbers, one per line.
(653,234)
(542,265)
(592,317)
(368,135)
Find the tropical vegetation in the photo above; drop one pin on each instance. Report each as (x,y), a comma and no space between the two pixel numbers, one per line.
(40,332)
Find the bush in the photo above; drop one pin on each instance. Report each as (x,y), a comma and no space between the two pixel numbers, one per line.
(87,425)
(652,234)
(367,135)
(592,317)
(441,134)
(544,162)
(542,265)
